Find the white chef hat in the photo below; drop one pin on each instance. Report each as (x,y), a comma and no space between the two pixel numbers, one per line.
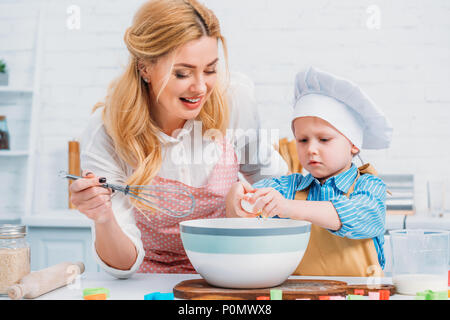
(342,104)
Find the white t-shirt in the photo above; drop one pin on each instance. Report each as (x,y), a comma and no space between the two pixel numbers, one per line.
(257,157)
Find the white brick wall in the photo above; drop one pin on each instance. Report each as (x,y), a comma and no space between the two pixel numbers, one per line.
(404,66)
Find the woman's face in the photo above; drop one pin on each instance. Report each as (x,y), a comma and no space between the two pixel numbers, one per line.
(191,75)
(322,150)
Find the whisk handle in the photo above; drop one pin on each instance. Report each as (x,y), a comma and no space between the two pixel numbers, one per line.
(72,177)
(104,185)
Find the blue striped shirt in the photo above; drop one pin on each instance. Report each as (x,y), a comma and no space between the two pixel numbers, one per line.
(362,214)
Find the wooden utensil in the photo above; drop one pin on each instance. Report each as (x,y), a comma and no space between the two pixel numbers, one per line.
(288,151)
(74,164)
(39,282)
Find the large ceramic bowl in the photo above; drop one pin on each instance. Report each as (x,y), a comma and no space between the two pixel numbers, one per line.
(245,252)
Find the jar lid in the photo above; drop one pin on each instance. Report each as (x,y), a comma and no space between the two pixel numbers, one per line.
(12,231)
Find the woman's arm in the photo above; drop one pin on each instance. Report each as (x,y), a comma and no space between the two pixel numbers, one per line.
(117,246)
(112,245)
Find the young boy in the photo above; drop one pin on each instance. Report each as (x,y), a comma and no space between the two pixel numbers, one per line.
(332,120)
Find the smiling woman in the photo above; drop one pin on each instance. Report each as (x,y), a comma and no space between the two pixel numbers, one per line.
(171,86)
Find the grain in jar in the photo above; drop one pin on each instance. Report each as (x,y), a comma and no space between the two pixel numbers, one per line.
(14,255)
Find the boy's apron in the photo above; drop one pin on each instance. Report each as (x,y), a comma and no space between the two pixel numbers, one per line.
(331,255)
(164,252)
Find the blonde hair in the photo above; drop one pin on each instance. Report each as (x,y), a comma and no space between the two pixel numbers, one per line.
(159,27)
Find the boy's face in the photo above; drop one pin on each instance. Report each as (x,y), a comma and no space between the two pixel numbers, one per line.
(322,150)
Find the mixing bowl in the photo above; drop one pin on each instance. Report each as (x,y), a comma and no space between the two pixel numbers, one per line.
(245,252)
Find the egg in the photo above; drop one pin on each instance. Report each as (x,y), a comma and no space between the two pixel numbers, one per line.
(247,206)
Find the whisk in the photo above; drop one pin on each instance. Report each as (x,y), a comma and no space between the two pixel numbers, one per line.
(154,197)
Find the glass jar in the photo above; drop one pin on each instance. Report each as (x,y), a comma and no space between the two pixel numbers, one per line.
(4,134)
(419,260)
(14,255)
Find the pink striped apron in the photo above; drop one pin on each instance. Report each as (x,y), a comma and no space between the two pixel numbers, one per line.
(164,252)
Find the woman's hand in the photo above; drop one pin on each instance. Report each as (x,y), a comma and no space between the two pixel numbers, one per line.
(269,202)
(233,200)
(91,199)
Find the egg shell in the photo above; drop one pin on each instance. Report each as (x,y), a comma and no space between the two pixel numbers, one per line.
(247,206)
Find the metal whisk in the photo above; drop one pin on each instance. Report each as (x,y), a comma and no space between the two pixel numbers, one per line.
(154,197)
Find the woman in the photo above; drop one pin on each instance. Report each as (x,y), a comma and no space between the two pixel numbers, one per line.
(149,118)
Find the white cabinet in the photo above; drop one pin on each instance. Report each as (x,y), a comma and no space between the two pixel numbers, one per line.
(52,245)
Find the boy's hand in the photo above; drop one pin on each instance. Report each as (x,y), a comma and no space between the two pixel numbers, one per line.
(269,202)
(234,197)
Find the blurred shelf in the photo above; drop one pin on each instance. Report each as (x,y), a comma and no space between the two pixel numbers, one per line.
(7,217)
(14,153)
(417,222)
(427,222)
(394,222)
(13,89)
(63,218)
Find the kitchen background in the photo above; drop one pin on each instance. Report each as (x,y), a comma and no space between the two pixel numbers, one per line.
(61,56)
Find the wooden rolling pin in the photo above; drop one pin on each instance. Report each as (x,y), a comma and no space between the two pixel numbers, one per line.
(39,282)
(74,163)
